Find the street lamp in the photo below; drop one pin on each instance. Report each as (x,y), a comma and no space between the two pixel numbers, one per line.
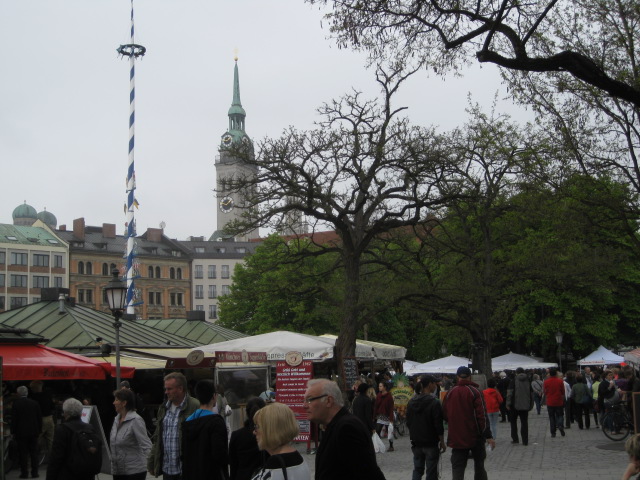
(559,340)
(116,292)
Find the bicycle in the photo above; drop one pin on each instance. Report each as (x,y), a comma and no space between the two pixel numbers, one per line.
(616,423)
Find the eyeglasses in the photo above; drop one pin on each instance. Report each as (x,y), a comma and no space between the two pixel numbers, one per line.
(311,399)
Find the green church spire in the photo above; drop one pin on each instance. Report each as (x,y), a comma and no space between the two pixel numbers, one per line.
(236,112)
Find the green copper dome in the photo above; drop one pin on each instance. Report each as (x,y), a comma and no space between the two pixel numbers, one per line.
(48,218)
(24,211)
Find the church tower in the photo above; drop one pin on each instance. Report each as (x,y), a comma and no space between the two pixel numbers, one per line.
(229,167)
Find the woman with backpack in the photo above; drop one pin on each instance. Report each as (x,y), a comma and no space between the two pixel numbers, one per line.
(130,444)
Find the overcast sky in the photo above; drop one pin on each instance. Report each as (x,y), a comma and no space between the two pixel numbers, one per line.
(64,99)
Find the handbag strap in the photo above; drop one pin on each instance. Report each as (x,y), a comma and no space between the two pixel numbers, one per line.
(283,466)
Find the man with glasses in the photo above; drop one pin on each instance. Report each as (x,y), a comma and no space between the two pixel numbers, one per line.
(346,449)
(167,439)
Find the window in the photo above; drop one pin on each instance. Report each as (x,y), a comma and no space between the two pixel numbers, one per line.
(2,303)
(3,258)
(158,272)
(19,280)
(112,267)
(176,299)
(40,282)
(225,271)
(198,273)
(155,298)
(212,271)
(212,291)
(57,282)
(18,302)
(35,299)
(105,269)
(1,279)
(18,259)
(89,268)
(241,250)
(172,272)
(199,290)
(213,311)
(81,268)
(40,260)
(199,249)
(150,272)
(85,295)
(226,290)
(199,308)
(179,274)
(57,261)
(176,253)
(52,241)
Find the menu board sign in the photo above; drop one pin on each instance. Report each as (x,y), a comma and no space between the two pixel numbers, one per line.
(291,383)
(350,371)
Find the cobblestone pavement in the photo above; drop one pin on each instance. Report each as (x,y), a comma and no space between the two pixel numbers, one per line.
(581,455)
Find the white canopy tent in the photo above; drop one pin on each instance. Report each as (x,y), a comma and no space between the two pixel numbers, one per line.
(381,351)
(408,364)
(601,356)
(511,361)
(633,357)
(448,364)
(278,344)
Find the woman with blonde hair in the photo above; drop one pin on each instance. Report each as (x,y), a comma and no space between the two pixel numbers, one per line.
(633,450)
(275,427)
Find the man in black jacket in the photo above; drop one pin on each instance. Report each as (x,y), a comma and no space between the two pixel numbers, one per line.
(426,430)
(26,425)
(346,450)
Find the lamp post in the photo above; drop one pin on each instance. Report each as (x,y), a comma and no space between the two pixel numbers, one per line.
(559,341)
(116,292)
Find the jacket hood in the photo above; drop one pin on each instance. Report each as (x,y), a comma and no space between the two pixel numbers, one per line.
(522,377)
(420,403)
(191,429)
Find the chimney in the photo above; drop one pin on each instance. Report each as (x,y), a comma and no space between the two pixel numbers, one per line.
(78,228)
(109,230)
(62,228)
(154,235)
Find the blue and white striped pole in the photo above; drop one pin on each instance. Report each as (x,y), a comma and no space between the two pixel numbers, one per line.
(132,51)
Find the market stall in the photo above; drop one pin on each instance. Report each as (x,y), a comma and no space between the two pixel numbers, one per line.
(448,364)
(601,356)
(512,361)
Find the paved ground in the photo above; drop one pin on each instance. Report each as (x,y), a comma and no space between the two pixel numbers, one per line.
(581,455)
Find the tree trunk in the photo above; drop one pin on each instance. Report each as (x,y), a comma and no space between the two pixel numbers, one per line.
(346,341)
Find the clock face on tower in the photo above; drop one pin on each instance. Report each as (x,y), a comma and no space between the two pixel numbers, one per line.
(226,140)
(226,204)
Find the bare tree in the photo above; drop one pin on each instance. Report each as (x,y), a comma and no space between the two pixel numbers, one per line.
(363,172)
(515,35)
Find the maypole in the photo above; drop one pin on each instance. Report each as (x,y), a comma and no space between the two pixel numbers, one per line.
(133,51)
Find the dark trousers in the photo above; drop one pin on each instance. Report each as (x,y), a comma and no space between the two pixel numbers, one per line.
(425,457)
(459,457)
(523,415)
(28,447)
(556,419)
(166,476)
(568,412)
(135,476)
(580,410)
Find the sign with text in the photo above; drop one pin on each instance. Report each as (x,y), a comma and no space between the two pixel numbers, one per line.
(241,357)
(291,383)
(350,371)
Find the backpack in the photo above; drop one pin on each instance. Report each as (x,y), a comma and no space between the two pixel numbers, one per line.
(85,450)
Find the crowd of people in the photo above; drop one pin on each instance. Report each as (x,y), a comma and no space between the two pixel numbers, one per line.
(192,439)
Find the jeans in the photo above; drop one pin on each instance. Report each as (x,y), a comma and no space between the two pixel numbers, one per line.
(459,458)
(493,423)
(556,418)
(523,415)
(538,399)
(425,456)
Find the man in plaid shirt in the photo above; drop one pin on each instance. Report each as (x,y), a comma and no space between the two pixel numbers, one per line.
(165,454)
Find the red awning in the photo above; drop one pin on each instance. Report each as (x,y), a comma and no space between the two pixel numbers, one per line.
(38,362)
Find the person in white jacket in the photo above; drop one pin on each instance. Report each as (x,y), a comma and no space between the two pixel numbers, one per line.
(130,444)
